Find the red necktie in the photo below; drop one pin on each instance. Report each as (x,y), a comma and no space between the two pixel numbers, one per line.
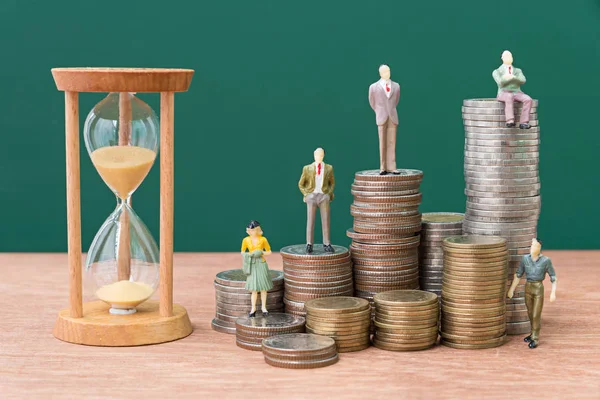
(319,169)
(509,69)
(387,88)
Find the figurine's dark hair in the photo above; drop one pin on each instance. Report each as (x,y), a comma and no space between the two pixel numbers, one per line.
(253,224)
(539,241)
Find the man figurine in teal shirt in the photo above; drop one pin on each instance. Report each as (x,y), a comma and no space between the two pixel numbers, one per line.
(509,80)
(535,266)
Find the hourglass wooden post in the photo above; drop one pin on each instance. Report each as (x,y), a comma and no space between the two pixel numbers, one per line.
(152,322)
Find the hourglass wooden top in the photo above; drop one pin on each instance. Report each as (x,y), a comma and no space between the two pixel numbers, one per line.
(122,79)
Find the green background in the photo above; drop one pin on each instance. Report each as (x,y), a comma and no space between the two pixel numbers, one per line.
(276,79)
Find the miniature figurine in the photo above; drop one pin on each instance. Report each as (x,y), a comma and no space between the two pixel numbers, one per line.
(534,266)
(316,184)
(255,266)
(384,96)
(509,80)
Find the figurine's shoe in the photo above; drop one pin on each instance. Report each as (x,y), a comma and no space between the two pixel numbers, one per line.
(309,248)
(383,172)
(328,248)
(524,126)
(252,314)
(265,313)
(396,172)
(510,124)
(532,344)
(527,339)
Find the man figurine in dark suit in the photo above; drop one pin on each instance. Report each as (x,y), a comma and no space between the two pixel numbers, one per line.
(384,96)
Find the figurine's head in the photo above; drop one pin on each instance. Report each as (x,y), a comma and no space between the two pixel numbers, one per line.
(319,155)
(536,247)
(253,229)
(384,72)
(507,57)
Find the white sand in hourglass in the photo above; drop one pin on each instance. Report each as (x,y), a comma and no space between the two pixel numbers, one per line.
(125,294)
(123,168)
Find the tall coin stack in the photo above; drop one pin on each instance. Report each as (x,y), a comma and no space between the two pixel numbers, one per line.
(503,187)
(315,275)
(473,292)
(234,301)
(345,319)
(250,332)
(435,227)
(385,238)
(406,320)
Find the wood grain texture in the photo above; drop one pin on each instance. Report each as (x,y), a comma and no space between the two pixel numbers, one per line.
(98,327)
(35,365)
(73,202)
(122,79)
(167,175)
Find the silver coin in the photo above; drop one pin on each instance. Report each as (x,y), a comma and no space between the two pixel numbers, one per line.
(499,214)
(235,289)
(501,175)
(491,103)
(496,117)
(497,201)
(502,156)
(298,251)
(471,161)
(472,193)
(503,188)
(500,219)
(516,133)
(469,135)
(273,321)
(404,174)
(506,233)
(502,143)
(501,149)
(495,111)
(506,169)
(490,124)
(237,277)
(495,226)
(384,194)
(502,182)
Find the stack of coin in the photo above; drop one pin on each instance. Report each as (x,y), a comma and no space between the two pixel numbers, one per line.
(345,319)
(473,292)
(503,186)
(299,351)
(385,237)
(406,320)
(234,301)
(314,275)
(250,332)
(435,227)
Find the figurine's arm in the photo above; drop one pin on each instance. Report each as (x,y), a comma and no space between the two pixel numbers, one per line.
(266,247)
(372,97)
(552,279)
(516,279)
(398,96)
(302,182)
(331,184)
(496,76)
(244,246)
(519,76)
(500,79)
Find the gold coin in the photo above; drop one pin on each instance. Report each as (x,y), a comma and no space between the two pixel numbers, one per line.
(453,334)
(411,309)
(399,336)
(301,364)
(472,346)
(339,304)
(473,255)
(395,321)
(477,266)
(405,298)
(353,348)
(336,331)
(336,325)
(398,347)
(349,317)
(416,341)
(402,328)
(474,242)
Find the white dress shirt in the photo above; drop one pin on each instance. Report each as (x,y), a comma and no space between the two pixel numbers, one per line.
(383,83)
(319,178)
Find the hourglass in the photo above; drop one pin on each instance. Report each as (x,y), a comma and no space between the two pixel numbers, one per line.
(124,265)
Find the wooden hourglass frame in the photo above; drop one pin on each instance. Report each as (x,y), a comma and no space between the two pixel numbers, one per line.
(155,322)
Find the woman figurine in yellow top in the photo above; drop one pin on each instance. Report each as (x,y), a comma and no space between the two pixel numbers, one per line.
(255,266)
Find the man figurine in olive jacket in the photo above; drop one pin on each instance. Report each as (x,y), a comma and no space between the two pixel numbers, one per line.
(509,80)
(535,266)
(316,184)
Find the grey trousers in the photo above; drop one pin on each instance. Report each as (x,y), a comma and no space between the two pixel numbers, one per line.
(387,145)
(314,201)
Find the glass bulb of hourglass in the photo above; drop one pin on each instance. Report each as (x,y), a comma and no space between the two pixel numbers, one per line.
(122,266)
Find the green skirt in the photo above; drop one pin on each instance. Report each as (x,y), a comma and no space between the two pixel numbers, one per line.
(259,278)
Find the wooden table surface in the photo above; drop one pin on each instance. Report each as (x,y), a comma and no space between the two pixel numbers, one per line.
(35,365)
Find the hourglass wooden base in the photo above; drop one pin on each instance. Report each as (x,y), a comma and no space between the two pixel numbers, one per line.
(98,327)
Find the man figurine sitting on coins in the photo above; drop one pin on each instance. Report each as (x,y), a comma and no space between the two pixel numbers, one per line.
(316,184)
(509,80)
(384,96)
(534,266)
